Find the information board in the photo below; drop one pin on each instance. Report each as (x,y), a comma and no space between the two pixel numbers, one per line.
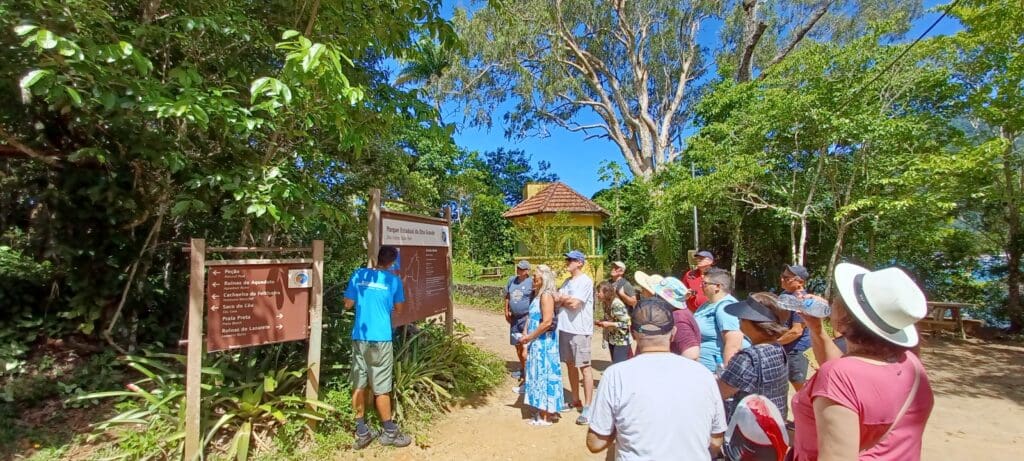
(250,305)
(423,244)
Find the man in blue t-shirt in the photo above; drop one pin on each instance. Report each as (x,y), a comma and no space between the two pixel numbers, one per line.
(797,340)
(375,293)
(518,294)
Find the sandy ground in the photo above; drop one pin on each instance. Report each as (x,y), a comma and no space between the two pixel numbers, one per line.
(979,408)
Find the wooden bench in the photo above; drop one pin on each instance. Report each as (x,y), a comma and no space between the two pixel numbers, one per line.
(490,273)
(937,320)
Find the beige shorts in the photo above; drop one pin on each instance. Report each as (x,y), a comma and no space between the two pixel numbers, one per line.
(372,365)
(574,349)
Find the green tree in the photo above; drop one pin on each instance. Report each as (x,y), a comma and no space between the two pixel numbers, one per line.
(626,71)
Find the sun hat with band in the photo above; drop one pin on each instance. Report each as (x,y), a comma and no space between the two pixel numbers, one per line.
(887,301)
(670,289)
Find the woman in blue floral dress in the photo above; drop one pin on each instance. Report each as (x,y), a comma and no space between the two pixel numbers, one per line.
(543,368)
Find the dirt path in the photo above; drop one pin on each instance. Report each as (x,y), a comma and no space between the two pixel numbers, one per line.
(979,408)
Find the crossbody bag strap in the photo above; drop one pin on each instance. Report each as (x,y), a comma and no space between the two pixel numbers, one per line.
(906,405)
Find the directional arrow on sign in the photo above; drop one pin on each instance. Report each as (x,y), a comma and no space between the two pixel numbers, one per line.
(216,272)
(216,284)
(279,326)
(214,296)
(215,308)
(280,316)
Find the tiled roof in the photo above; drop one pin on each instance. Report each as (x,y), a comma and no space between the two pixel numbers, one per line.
(554,198)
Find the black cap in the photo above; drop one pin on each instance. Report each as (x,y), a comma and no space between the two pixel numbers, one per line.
(653,316)
(751,310)
(799,271)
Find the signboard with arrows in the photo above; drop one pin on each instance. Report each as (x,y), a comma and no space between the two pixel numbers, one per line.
(250,305)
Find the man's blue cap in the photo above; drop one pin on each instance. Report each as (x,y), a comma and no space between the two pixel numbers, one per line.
(576,255)
(704,254)
(799,271)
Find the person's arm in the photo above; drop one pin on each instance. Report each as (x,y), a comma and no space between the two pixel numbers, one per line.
(547,313)
(692,353)
(793,334)
(726,390)
(822,345)
(732,342)
(628,300)
(597,443)
(508,308)
(838,431)
(715,447)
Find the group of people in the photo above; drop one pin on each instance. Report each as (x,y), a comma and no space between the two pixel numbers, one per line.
(698,374)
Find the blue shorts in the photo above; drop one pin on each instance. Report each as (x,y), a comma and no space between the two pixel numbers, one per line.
(517,326)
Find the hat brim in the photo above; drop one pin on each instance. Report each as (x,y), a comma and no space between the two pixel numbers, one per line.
(644,280)
(844,274)
(675,303)
(744,310)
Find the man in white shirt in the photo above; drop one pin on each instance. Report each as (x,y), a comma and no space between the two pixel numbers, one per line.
(639,403)
(575,327)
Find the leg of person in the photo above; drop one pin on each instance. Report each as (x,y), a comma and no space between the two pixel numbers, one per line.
(797,363)
(581,355)
(381,369)
(359,377)
(565,352)
(619,353)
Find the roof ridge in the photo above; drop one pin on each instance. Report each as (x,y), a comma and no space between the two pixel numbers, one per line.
(550,187)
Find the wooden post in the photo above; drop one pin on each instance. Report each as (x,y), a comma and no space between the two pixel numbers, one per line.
(316,321)
(196,287)
(373,229)
(449,313)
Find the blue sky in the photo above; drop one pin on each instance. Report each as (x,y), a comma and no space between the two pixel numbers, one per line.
(575,160)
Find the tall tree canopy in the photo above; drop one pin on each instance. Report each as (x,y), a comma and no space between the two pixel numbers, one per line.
(630,71)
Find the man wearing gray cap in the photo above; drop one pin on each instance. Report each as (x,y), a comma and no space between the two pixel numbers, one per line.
(517,308)
(639,408)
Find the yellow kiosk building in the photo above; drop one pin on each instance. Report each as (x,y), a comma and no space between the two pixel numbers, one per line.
(553,219)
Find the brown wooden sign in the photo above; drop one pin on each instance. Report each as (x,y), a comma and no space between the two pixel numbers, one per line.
(423,263)
(250,305)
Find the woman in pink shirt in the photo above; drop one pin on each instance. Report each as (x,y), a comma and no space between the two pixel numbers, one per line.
(872,403)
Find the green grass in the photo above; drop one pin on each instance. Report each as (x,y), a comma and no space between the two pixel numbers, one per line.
(486,303)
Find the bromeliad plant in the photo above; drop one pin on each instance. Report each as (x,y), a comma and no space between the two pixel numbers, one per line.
(247,396)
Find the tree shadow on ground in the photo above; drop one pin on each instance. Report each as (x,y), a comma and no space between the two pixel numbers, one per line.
(975,368)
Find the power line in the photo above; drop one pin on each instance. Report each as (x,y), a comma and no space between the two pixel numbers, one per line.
(903,53)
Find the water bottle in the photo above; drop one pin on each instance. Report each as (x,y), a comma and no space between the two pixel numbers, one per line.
(517,336)
(719,368)
(810,306)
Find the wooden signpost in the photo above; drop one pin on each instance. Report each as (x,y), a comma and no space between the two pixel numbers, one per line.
(424,260)
(250,302)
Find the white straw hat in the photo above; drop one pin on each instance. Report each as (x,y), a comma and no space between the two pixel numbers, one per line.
(650,282)
(886,301)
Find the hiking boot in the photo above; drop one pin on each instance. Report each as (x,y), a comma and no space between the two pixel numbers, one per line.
(395,439)
(362,440)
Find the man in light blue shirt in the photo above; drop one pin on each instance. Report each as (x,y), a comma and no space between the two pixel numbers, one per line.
(375,293)
(720,335)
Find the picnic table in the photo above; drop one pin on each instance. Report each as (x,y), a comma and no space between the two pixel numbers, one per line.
(937,314)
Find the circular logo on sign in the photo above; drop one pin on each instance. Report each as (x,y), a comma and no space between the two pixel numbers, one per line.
(301,278)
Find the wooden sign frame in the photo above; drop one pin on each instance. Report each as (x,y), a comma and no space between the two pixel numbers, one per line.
(197,313)
(373,240)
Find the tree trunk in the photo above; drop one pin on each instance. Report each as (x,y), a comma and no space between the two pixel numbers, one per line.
(837,250)
(1014,239)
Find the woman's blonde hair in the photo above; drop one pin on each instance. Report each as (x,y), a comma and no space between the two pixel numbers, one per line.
(547,278)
